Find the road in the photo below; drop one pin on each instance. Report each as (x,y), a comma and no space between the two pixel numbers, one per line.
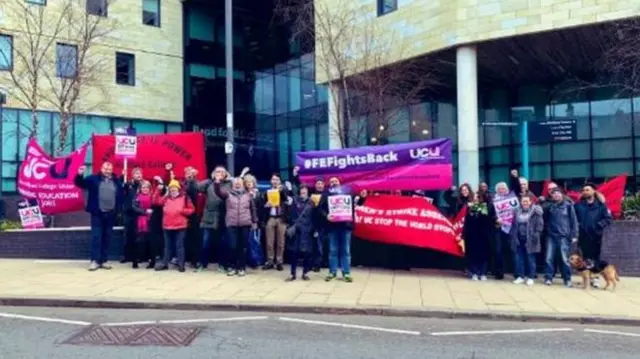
(46,333)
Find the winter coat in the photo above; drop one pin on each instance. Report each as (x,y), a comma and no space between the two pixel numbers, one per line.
(141,204)
(478,231)
(240,208)
(130,190)
(176,211)
(212,212)
(593,219)
(302,217)
(561,220)
(91,184)
(535,226)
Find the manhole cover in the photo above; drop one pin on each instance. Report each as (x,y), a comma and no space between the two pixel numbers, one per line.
(136,336)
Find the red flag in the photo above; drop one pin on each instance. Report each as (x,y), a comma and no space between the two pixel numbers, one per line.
(406,221)
(613,192)
(154,151)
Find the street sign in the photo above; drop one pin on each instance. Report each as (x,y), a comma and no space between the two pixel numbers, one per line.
(553,131)
(228,148)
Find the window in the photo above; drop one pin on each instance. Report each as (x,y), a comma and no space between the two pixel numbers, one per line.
(125,69)
(97,7)
(6,52)
(37,2)
(66,60)
(387,6)
(151,12)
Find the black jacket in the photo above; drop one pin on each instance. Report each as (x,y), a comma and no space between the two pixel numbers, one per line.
(593,219)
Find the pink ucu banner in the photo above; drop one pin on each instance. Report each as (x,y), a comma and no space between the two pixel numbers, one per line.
(424,165)
(50,180)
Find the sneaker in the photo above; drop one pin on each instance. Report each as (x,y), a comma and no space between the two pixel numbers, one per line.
(305,277)
(241,273)
(595,282)
(292,278)
(93,266)
(474,277)
(267,266)
(316,269)
(518,280)
(200,269)
(348,278)
(568,284)
(105,266)
(529,282)
(135,265)
(151,265)
(547,282)
(174,261)
(181,269)
(161,268)
(330,277)
(483,278)
(231,272)
(222,269)
(279,268)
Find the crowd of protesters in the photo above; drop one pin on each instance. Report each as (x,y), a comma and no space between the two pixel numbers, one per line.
(174,221)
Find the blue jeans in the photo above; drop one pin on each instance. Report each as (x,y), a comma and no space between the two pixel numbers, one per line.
(340,245)
(555,245)
(101,234)
(174,238)
(209,236)
(524,263)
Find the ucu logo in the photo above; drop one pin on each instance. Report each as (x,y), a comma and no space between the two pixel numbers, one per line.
(425,153)
(36,169)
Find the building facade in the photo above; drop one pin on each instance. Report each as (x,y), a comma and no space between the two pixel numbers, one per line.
(505,68)
(130,71)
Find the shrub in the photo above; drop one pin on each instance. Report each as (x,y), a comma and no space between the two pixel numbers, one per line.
(631,208)
(7,225)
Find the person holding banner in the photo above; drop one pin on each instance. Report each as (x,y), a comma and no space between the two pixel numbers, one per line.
(504,203)
(104,199)
(478,228)
(319,224)
(142,207)
(177,208)
(275,210)
(337,207)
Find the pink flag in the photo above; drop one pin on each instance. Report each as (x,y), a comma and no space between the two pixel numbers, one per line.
(50,180)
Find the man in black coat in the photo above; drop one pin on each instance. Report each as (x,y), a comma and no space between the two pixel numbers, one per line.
(593,218)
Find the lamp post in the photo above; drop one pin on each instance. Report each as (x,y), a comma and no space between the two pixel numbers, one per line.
(3,100)
(228,36)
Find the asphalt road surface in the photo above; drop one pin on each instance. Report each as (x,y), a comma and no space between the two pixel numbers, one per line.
(58,333)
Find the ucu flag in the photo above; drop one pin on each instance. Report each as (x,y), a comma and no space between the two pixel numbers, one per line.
(50,180)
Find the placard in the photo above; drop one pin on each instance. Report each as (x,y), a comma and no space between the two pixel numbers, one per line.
(31,217)
(126,146)
(340,208)
(504,210)
(273,197)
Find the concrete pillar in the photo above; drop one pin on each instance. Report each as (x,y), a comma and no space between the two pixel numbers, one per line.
(336,130)
(467,91)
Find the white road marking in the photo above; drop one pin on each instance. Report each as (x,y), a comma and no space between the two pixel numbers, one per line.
(612,332)
(184,321)
(42,319)
(353,326)
(515,331)
(58,261)
(124,324)
(232,319)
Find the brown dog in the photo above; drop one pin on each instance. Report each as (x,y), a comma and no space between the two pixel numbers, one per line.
(588,269)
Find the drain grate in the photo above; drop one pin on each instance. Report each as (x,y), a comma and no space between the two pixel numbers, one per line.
(136,336)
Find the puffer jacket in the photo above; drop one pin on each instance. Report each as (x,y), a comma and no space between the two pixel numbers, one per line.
(213,205)
(240,207)
(176,211)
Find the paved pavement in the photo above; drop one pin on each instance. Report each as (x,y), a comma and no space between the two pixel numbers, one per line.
(416,291)
(44,332)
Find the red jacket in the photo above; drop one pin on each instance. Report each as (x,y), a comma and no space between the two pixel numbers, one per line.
(175,211)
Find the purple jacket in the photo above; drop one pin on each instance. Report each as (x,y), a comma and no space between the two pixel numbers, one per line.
(240,207)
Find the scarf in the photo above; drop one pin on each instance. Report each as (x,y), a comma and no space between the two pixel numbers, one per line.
(523,216)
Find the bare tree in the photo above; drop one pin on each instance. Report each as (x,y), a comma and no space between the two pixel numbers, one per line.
(354,55)
(57,62)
